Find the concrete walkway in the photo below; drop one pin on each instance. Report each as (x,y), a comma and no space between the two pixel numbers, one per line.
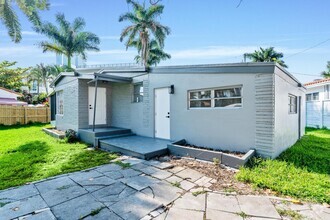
(146,190)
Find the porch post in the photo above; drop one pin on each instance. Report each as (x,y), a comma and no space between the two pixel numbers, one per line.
(95,103)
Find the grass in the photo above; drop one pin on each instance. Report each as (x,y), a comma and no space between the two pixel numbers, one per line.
(123,165)
(176,184)
(302,171)
(28,154)
(290,213)
(198,193)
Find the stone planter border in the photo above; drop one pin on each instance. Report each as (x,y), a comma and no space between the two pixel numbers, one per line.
(50,131)
(230,160)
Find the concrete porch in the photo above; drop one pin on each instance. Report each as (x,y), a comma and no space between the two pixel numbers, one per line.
(89,136)
(137,146)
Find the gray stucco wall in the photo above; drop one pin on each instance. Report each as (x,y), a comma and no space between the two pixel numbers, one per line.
(286,124)
(84,103)
(69,119)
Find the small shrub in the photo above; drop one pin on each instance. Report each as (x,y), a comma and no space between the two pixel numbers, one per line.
(71,136)
(216,161)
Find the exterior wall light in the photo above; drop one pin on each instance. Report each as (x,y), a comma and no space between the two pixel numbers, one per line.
(171,89)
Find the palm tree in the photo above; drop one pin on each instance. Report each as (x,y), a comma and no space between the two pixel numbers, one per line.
(156,54)
(326,74)
(266,55)
(10,19)
(144,23)
(44,74)
(68,39)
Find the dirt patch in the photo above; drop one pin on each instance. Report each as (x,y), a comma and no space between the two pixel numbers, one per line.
(225,177)
(235,153)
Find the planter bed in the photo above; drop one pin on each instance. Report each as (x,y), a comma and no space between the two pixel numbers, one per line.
(54,133)
(235,160)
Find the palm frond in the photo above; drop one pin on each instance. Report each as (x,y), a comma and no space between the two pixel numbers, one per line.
(11,22)
(78,24)
(46,46)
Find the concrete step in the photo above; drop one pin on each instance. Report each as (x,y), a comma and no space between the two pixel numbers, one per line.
(89,136)
(136,146)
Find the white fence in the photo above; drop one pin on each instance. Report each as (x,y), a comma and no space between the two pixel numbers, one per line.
(318,114)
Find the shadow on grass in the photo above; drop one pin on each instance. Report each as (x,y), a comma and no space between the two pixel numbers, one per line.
(87,159)
(18,126)
(20,165)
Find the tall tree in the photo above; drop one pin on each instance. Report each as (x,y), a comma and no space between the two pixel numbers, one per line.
(44,74)
(10,19)
(326,74)
(11,78)
(267,55)
(143,25)
(156,54)
(69,38)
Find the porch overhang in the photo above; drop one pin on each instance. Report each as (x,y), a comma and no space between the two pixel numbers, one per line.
(110,78)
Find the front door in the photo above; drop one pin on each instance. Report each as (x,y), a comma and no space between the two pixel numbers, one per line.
(162,113)
(101,106)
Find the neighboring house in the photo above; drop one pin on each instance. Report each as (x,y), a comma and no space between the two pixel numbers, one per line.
(318,103)
(232,107)
(34,88)
(8,97)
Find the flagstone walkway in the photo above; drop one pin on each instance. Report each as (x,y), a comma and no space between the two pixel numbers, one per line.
(146,190)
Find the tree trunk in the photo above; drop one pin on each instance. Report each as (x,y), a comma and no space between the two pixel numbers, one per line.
(45,84)
(69,61)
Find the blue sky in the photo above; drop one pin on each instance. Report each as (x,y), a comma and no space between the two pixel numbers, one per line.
(212,31)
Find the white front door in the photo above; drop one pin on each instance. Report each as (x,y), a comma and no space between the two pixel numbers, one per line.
(162,113)
(101,106)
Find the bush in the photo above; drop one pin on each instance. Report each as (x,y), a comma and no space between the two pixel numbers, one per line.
(71,136)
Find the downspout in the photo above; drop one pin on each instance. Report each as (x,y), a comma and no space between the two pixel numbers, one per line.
(96,79)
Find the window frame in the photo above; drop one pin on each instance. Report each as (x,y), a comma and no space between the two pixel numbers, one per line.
(213,98)
(327,92)
(312,96)
(134,95)
(295,104)
(58,106)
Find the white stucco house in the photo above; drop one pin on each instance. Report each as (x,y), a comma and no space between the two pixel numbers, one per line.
(234,107)
(318,103)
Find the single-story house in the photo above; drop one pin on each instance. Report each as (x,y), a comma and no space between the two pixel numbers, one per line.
(9,97)
(318,103)
(234,107)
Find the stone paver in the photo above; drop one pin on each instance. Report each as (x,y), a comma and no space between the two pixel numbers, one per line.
(175,213)
(76,208)
(174,179)
(113,193)
(222,203)
(190,202)
(22,207)
(140,182)
(104,214)
(161,174)
(135,206)
(18,193)
(163,192)
(146,190)
(189,174)
(176,169)
(212,214)
(44,214)
(186,185)
(257,206)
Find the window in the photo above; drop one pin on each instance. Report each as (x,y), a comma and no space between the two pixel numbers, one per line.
(312,96)
(327,92)
(138,92)
(216,98)
(34,85)
(59,103)
(292,104)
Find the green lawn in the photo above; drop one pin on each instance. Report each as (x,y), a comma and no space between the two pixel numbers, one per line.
(303,171)
(28,154)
